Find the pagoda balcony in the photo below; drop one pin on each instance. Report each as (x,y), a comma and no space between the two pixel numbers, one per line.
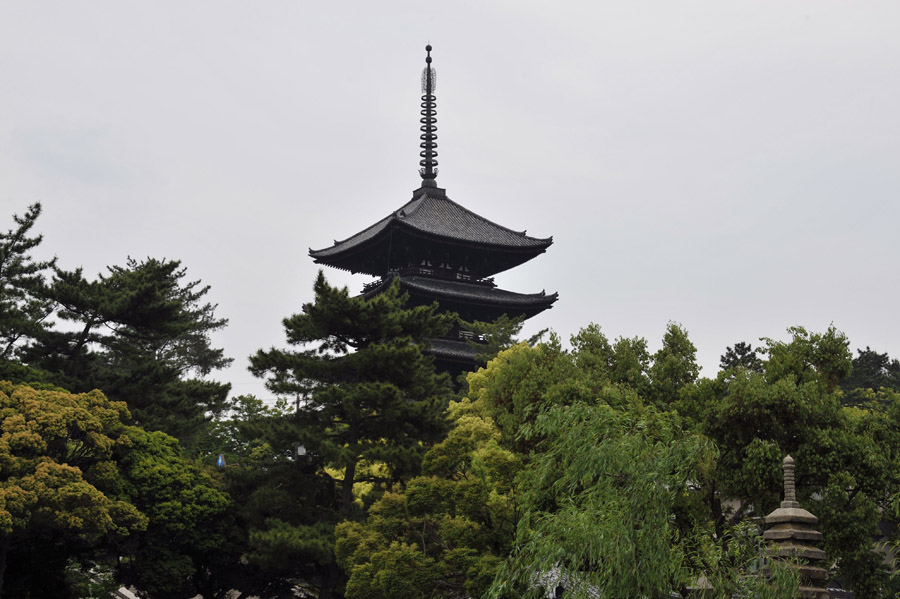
(443,272)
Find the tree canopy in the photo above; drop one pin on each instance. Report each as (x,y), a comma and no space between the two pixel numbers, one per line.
(600,468)
(78,485)
(58,481)
(625,474)
(142,334)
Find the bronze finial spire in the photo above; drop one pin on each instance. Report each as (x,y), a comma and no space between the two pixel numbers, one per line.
(428,165)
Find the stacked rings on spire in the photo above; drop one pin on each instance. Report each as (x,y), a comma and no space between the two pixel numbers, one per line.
(428,163)
(429,153)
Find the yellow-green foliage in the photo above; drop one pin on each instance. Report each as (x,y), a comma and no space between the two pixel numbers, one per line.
(56,464)
(74,478)
(446,533)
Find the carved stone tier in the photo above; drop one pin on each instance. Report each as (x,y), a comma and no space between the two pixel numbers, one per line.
(791,534)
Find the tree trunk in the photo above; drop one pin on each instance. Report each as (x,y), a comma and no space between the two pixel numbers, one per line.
(75,352)
(347,489)
(331,579)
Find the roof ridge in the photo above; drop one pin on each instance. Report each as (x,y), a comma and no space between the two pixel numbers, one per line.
(445,198)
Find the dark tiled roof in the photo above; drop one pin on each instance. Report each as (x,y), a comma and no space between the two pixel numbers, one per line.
(453,350)
(470,300)
(474,292)
(434,214)
(359,239)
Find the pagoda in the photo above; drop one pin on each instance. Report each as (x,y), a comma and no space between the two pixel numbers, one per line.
(441,251)
(792,534)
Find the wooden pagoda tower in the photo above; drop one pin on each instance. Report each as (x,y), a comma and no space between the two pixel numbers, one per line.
(442,252)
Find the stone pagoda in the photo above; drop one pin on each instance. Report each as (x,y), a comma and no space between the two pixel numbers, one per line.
(791,533)
(441,251)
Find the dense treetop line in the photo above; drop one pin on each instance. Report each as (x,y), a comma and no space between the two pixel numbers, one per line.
(601,467)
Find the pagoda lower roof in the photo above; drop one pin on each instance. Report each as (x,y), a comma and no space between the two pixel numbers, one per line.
(453,350)
(434,223)
(471,300)
(454,356)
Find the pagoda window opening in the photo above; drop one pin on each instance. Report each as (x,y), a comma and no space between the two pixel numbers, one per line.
(466,335)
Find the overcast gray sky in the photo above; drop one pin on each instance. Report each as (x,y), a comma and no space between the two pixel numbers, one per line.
(733,166)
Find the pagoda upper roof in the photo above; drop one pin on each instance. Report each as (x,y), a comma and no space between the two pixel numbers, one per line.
(445,226)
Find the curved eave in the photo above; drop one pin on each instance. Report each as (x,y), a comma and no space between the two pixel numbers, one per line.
(474,293)
(342,250)
(489,311)
(471,300)
(453,356)
(370,256)
(458,351)
(366,237)
(445,225)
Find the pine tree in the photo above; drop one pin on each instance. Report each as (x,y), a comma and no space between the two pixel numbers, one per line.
(141,333)
(23,305)
(742,355)
(368,401)
(366,390)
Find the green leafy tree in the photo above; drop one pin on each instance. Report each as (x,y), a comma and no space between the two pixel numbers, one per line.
(674,367)
(59,495)
(870,371)
(86,499)
(586,526)
(445,534)
(284,502)
(522,380)
(615,497)
(516,497)
(191,545)
(820,357)
(847,457)
(624,362)
(609,505)
(369,401)
(23,306)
